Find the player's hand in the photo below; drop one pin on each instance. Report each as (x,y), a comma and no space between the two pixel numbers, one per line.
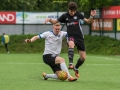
(27,40)
(93,13)
(47,20)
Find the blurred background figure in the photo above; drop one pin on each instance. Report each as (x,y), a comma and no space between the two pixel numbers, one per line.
(6,41)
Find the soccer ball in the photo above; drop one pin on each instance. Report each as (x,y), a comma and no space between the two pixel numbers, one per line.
(62,75)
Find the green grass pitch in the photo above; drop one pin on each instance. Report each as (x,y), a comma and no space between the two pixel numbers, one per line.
(23,72)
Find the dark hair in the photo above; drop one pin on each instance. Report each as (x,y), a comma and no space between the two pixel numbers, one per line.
(3,33)
(72,6)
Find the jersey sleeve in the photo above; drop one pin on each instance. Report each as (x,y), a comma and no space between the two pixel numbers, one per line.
(43,35)
(62,18)
(64,34)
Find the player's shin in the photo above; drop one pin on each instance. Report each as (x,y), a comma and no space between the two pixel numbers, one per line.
(64,68)
(79,63)
(54,76)
(70,55)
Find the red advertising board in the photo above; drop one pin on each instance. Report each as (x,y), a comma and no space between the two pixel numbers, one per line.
(111,12)
(7,17)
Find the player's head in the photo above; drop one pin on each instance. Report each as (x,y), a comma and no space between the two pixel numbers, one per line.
(56,28)
(3,33)
(72,7)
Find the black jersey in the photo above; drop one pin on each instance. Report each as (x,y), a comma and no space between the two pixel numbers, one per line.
(72,23)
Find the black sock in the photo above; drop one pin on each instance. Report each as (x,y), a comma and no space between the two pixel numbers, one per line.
(79,63)
(70,55)
(6,47)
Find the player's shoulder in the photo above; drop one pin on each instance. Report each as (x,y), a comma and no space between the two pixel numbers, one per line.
(79,13)
(65,14)
(46,32)
(63,32)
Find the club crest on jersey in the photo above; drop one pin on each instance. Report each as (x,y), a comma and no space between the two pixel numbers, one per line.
(75,17)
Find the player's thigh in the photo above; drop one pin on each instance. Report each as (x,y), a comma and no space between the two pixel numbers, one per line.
(59,60)
(70,41)
(49,59)
(56,68)
(80,45)
(81,48)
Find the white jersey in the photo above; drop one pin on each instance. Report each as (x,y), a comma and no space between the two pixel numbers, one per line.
(53,43)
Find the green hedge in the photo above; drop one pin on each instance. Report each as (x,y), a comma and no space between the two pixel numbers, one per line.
(102,45)
(94,45)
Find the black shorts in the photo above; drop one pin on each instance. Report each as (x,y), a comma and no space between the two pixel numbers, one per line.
(49,59)
(79,42)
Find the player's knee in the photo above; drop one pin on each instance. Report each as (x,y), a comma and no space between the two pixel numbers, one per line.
(62,60)
(83,58)
(71,44)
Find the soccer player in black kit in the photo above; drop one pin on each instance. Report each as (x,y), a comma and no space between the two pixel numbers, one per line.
(75,34)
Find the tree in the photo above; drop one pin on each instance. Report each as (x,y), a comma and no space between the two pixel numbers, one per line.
(16,5)
(96,4)
(48,5)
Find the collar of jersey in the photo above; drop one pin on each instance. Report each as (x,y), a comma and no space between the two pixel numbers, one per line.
(53,33)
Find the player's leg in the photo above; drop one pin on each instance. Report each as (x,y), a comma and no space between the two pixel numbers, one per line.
(53,76)
(49,59)
(57,63)
(71,51)
(81,48)
(54,62)
(56,68)
(6,47)
(61,61)
(80,61)
(46,76)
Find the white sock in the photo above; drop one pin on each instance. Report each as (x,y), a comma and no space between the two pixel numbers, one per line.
(54,76)
(75,68)
(64,68)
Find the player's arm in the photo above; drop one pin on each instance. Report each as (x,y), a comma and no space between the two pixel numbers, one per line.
(93,13)
(32,39)
(53,21)
(3,40)
(88,20)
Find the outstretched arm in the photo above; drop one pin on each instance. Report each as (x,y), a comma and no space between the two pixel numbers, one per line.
(92,14)
(3,40)
(32,39)
(51,21)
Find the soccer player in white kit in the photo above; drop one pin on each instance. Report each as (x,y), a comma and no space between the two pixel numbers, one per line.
(53,45)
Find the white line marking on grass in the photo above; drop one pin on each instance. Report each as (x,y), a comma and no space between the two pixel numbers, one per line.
(103,64)
(19,63)
(104,58)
